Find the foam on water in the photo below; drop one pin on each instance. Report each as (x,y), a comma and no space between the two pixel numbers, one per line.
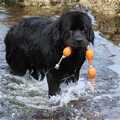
(34,93)
(70,92)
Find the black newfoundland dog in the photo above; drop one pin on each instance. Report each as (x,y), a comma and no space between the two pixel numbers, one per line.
(36,44)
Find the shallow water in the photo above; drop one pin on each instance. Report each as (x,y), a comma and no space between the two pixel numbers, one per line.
(23,98)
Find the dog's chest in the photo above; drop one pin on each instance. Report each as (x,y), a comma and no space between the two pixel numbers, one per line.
(71,62)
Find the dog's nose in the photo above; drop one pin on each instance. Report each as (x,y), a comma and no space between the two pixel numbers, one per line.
(78,36)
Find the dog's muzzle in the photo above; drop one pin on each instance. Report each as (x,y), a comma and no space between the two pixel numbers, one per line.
(78,36)
(77,40)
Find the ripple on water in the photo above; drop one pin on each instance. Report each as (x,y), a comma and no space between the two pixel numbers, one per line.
(33,93)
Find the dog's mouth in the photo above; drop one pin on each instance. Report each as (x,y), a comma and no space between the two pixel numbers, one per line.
(77,45)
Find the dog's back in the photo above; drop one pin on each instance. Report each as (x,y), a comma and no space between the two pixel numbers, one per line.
(26,28)
(21,39)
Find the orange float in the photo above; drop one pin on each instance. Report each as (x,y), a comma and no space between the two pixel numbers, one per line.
(89,55)
(67,51)
(91,72)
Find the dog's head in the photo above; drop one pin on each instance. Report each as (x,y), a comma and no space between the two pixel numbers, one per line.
(76,29)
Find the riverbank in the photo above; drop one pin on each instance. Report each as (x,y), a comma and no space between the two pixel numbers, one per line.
(110,7)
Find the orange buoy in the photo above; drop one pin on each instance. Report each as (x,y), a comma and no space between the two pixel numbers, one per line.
(67,51)
(91,72)
(89,55)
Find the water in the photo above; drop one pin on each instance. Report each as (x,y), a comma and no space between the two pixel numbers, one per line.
(23,98)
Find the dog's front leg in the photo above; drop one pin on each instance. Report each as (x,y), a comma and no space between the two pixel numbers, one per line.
(77,69)
(53,82)
(77,73)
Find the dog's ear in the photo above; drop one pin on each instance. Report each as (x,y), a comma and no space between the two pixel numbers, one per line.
(88,29)
(55,33)
(90,35)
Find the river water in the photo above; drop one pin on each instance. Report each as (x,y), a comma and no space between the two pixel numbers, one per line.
(23,98)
